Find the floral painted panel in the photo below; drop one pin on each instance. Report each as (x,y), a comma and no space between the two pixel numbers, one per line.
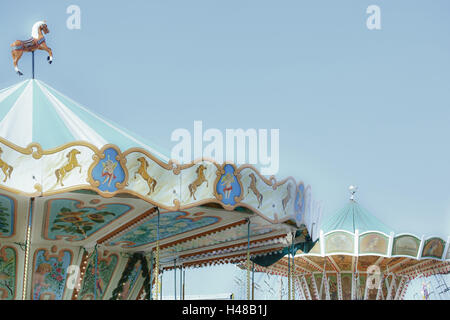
(105,270)
(70,218)
(7,215)
(49,276)
(8,260)
(171,223)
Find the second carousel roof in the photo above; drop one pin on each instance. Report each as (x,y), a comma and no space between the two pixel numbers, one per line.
(354,217)
(32,111)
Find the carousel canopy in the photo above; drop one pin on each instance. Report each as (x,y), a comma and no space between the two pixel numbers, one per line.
(32,111)
(77,190)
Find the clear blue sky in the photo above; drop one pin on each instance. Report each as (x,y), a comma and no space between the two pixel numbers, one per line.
(353,106)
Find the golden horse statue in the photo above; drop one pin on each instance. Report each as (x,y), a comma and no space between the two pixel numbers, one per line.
(255,190)
(142,171)
(6,168)
(71,164)
(36,42)
(198,182)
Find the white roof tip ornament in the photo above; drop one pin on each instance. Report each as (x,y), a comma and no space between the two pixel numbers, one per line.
(352,189)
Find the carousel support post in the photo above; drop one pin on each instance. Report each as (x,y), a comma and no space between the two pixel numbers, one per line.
(175,279)
(289,275)
(32,64)
(248,260)
(293,273)
(95,274)
(181,282)
(184,283)
(151,277)
(160,287)
(157,280)
(27,249)
(253,280)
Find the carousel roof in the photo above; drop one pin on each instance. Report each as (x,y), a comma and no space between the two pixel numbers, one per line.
(32,111)
(354,217)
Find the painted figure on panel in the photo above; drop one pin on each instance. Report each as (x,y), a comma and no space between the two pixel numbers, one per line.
(108,170)
(71,164)
(199,181)
(254,189)
(226,181)
(142,171)
(6,168)
(39,279)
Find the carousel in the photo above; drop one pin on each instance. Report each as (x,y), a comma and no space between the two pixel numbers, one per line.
(89,210)
(357,257)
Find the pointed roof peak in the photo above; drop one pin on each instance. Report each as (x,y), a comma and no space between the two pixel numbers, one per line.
(354,217)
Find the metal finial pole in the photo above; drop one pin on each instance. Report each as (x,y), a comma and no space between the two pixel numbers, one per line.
(352,190)
(32,64)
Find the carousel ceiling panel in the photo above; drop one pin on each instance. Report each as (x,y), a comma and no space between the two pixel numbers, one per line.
(72,218)
(14,210)
(8,216)
(303,265)
(319,261)
(225,237)
(171,224)
(186,230)
(366,261)
(9,274)
(82,218)
(344,262)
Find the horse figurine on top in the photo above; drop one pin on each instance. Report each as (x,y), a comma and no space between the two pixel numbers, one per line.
(37,42)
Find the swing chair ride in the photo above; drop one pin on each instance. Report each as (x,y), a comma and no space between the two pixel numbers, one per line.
(89,210)
(357,257)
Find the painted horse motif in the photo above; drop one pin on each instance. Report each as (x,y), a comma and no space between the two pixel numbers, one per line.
(288,197)
(36,42)
(71,164)
(142,171)
(6,168)
(198,182)
(255,190)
